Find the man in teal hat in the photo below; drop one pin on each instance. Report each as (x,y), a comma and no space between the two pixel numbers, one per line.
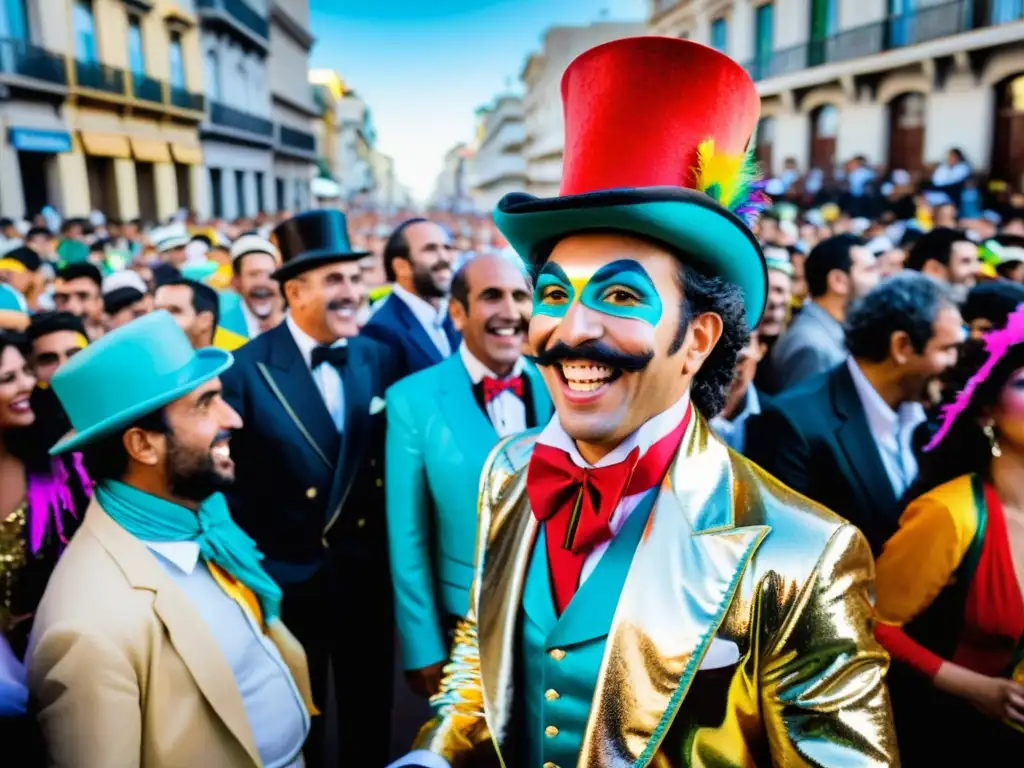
(158,641)
(642,595)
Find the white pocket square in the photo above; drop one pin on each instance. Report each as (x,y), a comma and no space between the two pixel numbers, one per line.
(721,653)
(377,405)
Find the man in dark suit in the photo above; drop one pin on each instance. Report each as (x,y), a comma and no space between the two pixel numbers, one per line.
(413,321)
(309,464)
(844,438)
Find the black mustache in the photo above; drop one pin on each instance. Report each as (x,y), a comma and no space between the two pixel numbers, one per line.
(595,352)
(441,266)
(342,304)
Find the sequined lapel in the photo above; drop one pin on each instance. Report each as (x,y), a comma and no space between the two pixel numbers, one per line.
(679,586)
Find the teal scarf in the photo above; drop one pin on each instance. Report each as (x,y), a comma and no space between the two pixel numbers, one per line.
(220,540)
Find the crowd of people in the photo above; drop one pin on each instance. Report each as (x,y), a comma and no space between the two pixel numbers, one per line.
(633,475)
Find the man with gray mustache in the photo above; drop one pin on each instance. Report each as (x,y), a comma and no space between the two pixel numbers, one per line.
(310,470)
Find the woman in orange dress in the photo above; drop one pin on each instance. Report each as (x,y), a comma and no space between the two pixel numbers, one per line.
(950,581)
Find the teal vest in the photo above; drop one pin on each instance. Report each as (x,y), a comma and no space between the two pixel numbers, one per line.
(562,656)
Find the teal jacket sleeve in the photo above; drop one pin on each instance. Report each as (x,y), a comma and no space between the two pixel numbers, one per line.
(417,612)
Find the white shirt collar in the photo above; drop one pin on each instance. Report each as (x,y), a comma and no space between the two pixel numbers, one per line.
(478,371)
(647,435)
(183,555)
(305,342)
(426,313)
(883,421)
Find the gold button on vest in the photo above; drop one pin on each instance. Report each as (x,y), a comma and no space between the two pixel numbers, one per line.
(311,493)
(551,694)
(557,654)
(551,731)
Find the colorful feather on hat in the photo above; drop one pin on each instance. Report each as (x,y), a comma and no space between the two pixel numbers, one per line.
(733,181)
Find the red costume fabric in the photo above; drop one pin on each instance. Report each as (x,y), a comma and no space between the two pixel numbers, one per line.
(575,505)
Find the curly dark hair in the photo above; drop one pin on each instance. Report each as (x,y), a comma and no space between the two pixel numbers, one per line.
(906,302)
(703,294)
(965,449)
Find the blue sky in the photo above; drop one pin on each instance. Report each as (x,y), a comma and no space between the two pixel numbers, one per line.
(424,66)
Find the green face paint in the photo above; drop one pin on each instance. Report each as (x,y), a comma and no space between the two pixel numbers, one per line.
(620,289)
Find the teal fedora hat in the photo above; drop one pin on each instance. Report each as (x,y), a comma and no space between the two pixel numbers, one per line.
(657,145)
(129,373)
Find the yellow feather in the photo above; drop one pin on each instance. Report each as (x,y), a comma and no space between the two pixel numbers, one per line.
(723,171)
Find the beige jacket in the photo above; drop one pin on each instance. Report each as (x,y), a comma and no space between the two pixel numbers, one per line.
(125,671)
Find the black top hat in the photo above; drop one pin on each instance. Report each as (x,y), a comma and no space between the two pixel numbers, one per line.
(312,239)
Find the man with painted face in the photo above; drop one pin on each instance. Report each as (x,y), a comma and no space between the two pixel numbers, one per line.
(643,595)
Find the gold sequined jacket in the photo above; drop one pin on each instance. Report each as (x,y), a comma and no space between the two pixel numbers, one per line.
(732,560)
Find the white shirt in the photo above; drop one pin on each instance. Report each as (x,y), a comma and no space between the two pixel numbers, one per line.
(647,435)
(507,412)
(277,714)
(252,323)
(553,434)
(430,317)
(326,376)
(734,431)
(892,431)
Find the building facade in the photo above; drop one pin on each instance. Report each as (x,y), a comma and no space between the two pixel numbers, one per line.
(898,82)
(452,190)
(542,104)
(238,134)
(100,108)
(347,139)
(499,166)
(292,106)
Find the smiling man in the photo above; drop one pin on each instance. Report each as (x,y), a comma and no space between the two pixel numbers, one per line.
(253,261)
(311,475)
(643,595)
(159,611)
(484,392)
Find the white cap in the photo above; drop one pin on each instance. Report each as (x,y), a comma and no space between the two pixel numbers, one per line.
(126,278)
(252,244)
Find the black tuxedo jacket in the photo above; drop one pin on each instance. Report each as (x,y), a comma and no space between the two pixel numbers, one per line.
(396,326)
(301,488)
(815,438)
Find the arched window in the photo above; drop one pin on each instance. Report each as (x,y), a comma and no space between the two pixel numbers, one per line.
(906,132)
(824,128)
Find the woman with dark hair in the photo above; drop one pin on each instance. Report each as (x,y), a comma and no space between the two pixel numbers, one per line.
(41,498)
(950,581)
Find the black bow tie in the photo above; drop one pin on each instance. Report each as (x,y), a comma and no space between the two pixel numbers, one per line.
(336,356)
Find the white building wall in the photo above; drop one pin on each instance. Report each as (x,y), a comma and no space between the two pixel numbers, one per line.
(545,124)
(234,157)
(241,75)
(289,69)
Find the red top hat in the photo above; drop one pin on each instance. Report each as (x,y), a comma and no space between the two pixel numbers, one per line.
(656,144)
(637,109)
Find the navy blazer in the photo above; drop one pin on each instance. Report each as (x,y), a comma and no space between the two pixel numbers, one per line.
(815,438)
(395,325)
(300,486)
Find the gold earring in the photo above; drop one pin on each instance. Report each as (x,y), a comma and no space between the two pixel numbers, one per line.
(993,444)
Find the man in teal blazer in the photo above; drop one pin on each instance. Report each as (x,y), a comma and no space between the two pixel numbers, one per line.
(442,424)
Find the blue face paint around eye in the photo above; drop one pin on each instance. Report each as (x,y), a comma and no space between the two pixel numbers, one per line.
(553,294)
(623,289)
(619,289)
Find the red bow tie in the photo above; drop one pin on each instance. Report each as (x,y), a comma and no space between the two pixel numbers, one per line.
(494,387)
(575,505)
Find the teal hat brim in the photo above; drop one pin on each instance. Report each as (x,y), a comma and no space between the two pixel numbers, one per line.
(719,242)
(207,364)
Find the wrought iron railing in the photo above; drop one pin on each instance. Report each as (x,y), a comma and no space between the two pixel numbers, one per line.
(18,57)
(293,138)
(186,99)
(147,88)
(100,77)
(229,117)
(919,26)
(240,12)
